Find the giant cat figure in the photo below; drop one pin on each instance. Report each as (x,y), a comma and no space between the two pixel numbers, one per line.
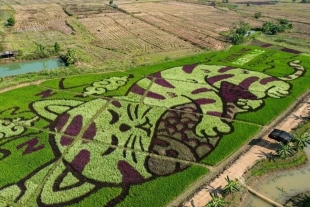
(90,137)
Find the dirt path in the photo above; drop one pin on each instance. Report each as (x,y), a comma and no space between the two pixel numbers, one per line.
(21,85)
(247,160)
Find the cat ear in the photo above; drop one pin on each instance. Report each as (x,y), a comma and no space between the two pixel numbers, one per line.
(51,109)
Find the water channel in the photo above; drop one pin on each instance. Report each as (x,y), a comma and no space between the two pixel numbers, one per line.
(281,186)
(30,66)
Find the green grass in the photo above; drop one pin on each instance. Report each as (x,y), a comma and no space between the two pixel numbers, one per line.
(266,114)
(264,166)
(286,41)
(232,142)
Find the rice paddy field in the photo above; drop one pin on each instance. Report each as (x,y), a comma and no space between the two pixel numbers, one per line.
(163,96)
(109,139)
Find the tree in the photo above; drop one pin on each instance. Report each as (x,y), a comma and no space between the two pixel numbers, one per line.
(237,39)
(231,186)
(239,35)
(301,140)
(285,150)
(270,156)
(69,57)
(216,201)
(272,28)
(110,2)
(56,47)
(11,21)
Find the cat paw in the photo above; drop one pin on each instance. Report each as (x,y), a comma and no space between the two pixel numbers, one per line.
(247,104)
(212,127)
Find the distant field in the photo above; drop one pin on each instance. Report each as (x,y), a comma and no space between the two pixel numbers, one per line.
(99,34)
(40,18)
(198,24)
(297,13)
(125,34)
(140,33)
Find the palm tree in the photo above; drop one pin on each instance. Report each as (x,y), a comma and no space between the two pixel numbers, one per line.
(285,150)
(231,185)
(270,156)
(216,201)
(301,140)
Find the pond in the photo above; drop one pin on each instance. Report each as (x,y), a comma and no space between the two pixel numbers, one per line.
(30,66)
(283,185)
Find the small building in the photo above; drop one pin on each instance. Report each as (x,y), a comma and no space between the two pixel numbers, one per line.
(8,54)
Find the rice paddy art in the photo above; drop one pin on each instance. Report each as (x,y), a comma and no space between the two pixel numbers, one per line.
(107,141)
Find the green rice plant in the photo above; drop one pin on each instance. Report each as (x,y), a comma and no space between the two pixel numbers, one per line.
(266,114)
(165,188)
(228,144)
(99,198)
(264,166)
(22,162)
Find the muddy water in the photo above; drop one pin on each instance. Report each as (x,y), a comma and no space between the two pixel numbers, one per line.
(30,66)
(280,187)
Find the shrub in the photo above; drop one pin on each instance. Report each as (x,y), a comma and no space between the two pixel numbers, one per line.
(285,23)
(11,21)
(56,47)
(237,39)
(257,15)
(69,58)
(240,32)
(272,28)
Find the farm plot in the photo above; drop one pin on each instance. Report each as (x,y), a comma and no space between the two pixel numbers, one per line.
(298,37)
(88,54)
(123,33)
(86,10)
(199,24)
(29,2)
(40,17)
(110,139)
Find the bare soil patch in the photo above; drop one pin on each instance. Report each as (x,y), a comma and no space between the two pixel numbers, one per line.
(40,17)
(201,25)
(123,33)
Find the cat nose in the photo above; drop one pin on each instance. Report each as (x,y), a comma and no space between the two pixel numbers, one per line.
(124,127)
